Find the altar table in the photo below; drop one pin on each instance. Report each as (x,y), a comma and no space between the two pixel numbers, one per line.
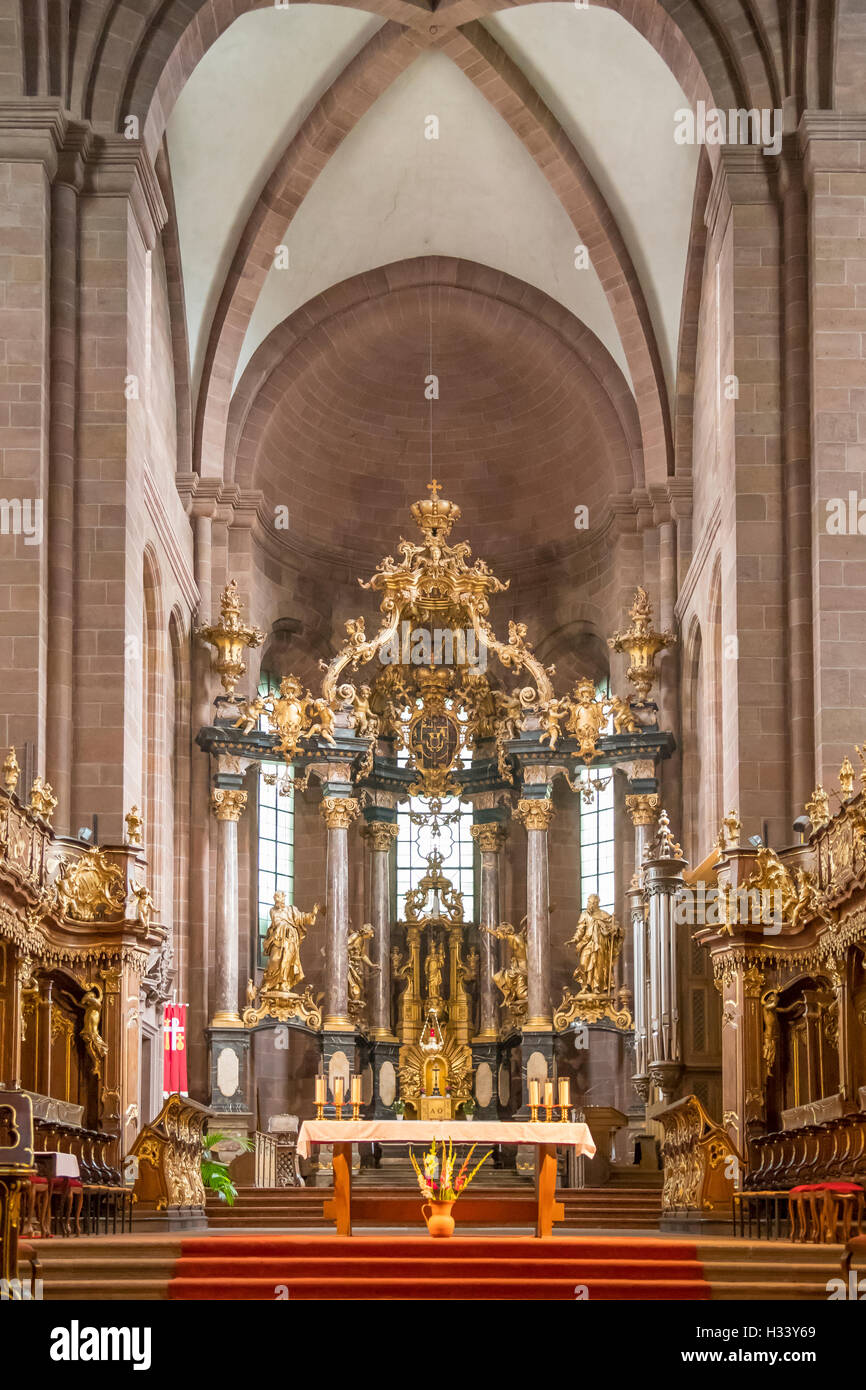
(544,1137)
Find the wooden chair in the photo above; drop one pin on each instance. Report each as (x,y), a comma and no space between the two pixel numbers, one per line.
(826,1212)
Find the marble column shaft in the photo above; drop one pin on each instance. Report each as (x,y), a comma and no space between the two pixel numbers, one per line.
(380,835)
(490,837)
(228,805)
(338,812)
(536,814)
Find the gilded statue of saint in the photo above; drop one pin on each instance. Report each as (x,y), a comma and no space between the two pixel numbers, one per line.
(434,969)
(769,1005)
(287,930)
(511,980)
(597,940)
(356,948)
(97,1047)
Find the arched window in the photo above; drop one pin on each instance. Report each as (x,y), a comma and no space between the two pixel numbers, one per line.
(597,849)
(276,830)
(415,841)
(416,838)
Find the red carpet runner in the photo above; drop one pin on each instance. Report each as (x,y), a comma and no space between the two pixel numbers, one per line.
(266,1267)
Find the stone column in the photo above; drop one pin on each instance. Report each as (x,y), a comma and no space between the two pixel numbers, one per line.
(338,813)
(61,484)
(490,837)
(536,814)
(835,177)
(228,804)
(380,835)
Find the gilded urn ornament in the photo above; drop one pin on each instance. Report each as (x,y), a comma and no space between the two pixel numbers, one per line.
(641,643)
(231,637)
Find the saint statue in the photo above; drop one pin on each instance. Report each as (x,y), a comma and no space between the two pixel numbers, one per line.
(434,969)
(597,940)
(97,1047)
(283,945)
(511,980)
(356,947)
(770,1019)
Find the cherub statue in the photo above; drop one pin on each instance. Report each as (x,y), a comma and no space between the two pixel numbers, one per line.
(808,903)
(142,895)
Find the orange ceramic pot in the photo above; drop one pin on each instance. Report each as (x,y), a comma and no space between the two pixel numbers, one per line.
(439,1220)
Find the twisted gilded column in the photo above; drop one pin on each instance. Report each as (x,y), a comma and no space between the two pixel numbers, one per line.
(536,814)
(227,804)
(338,813)
(490,838)
(380,835)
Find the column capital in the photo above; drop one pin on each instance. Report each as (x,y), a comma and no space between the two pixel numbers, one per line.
(643,807)
(380,834)
(536,813)
(339,811)
(117,167)
(490,836)
(228,803)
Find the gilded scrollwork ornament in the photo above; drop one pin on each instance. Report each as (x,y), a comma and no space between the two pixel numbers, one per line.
(292,715)
(583,716)
(91,888)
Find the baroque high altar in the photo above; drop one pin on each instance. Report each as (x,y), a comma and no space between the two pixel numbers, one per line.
(454,1002)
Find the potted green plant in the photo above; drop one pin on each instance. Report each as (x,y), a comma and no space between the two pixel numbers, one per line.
(469,1109)
(215,1174)
(399,1108)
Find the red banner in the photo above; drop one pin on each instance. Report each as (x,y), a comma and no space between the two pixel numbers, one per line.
(174,1080)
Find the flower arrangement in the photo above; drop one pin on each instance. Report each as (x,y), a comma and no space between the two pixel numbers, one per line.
(436,1178)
